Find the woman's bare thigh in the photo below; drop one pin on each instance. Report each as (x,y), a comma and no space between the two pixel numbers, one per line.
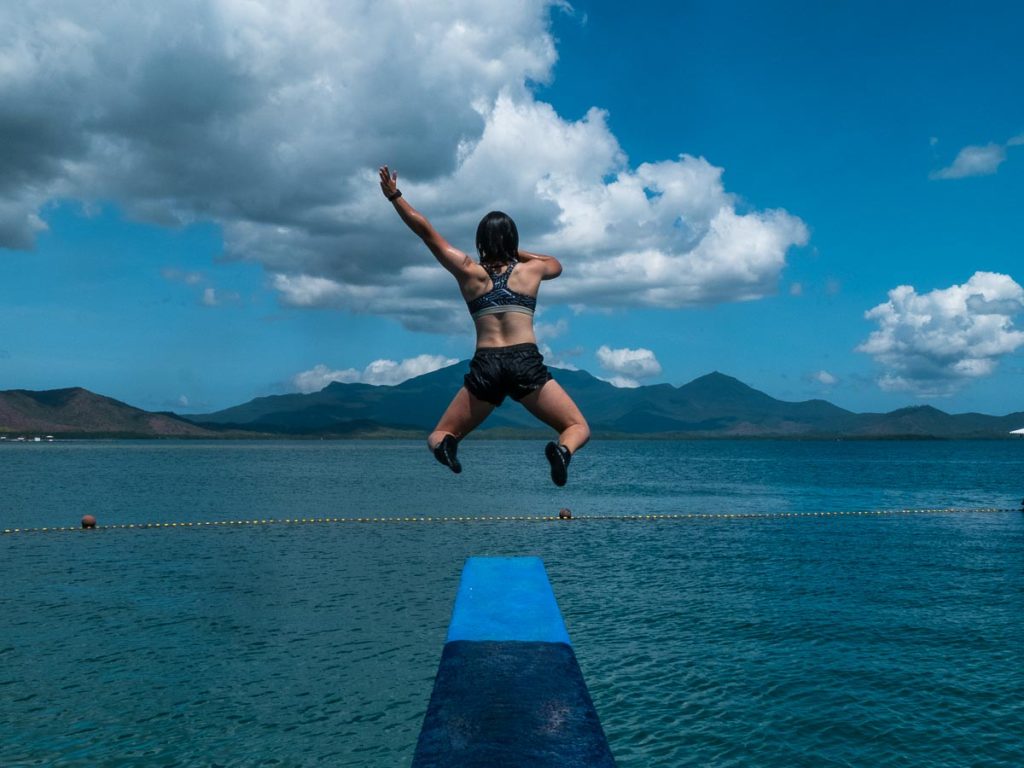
(552,405)
(464,414)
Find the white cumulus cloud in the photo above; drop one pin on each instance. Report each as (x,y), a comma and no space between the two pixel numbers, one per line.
(622,382)
(628,365)
(977,160)
(934,342)
(319,376)
(269,119)
(213,297)
(378,372)
(558,360)
(545,331)
(174,274)
(973,161)
(391,372)
(824,377)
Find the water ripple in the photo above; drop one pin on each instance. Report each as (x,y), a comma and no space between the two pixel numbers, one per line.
(817,642)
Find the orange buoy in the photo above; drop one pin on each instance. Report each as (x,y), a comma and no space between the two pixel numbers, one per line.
(565,514)
(88,521)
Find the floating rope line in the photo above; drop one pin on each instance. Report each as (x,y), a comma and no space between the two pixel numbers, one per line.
(515,518)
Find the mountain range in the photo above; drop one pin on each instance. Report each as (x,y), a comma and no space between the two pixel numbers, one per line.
(714,405)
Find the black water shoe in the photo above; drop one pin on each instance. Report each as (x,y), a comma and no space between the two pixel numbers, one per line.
(558,458)
(445,452)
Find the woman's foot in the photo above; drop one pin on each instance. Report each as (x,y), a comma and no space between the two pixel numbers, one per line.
(558,457)
(445,452)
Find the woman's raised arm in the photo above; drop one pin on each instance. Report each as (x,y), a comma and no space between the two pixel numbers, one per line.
(451,258)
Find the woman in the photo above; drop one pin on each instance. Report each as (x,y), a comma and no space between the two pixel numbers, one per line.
(501,294)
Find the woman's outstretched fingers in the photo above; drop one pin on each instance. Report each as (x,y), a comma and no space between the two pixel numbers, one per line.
(388,180)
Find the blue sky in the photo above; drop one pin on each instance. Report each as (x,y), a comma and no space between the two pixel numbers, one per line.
(189,216)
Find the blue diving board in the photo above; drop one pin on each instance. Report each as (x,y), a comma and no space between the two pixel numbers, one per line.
(509,691)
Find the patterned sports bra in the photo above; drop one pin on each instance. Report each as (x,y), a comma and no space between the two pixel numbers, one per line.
(501,298)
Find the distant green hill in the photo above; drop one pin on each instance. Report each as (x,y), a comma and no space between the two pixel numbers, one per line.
(79,412)
(714,405)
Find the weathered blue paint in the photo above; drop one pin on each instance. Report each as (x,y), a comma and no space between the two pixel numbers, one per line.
(509,691)
(506,598)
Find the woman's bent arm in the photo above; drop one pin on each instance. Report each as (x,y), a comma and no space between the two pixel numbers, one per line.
(451,258)
(552,267)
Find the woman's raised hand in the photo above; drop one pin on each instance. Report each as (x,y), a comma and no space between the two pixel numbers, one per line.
(388,182)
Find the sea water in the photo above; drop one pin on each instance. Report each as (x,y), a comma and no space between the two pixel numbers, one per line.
(847,640)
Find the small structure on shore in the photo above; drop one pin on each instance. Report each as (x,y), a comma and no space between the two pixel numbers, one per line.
(1018,432)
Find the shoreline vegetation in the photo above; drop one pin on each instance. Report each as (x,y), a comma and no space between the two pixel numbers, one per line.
(656,437)
(711,407)
(489,435)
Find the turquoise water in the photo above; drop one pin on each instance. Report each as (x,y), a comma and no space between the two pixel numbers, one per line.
(838,641)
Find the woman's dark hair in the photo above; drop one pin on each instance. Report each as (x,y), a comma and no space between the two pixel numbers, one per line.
(497,239)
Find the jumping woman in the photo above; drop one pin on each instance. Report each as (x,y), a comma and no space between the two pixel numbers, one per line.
(501,293)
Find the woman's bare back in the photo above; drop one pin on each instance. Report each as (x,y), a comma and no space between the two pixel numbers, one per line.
(506,328)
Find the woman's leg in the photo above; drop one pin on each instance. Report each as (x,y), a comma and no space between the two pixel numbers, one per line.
(552,405)
(464,414)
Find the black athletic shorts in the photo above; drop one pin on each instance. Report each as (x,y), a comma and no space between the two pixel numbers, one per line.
(497,372)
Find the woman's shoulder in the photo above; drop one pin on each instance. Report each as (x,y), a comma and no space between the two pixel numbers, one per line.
(473,273)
